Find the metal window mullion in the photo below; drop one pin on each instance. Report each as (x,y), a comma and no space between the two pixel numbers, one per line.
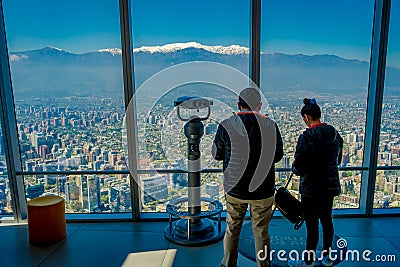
(129,91)
(255,41)
(9,129)
(374,102)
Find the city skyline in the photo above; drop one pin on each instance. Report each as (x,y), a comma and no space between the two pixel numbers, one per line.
(40,152)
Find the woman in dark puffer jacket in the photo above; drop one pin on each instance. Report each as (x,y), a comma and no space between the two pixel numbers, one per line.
(318,154)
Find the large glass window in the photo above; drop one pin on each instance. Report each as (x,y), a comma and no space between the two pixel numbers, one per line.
(319,49)
(387,182)
(66,69)
(212,39)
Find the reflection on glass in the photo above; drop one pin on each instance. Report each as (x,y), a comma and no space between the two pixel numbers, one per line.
(308,52)
(83,193)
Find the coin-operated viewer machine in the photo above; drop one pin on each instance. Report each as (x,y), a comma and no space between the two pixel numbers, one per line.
(199,222)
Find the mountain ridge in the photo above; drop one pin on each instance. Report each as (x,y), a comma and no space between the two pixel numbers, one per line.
(52,72)
(170,48)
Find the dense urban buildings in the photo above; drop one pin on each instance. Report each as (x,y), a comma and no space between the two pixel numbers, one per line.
(86,133)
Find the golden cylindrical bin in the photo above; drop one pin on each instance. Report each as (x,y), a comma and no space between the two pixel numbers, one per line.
(46,220)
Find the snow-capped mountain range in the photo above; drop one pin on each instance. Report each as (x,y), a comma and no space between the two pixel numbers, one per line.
(52,71)
(217,49)
(168,48)
(112,51)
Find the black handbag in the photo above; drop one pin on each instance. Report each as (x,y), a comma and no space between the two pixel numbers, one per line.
(288,205)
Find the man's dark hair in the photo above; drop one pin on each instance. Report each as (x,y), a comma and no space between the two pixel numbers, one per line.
(311,108)
(250,98)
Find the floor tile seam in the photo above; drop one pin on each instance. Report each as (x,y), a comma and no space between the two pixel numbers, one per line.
(78,228)
(375,229)
(61,243)
(52,251)
(75,230)
(393,244)
(379,231)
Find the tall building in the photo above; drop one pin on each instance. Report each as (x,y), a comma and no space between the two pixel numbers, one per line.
(93,184)
(285,164)
(154,188)
(72,192)
(37,140)
(51,179)
(34,191)
(120,197)
(84,192)
(212,189)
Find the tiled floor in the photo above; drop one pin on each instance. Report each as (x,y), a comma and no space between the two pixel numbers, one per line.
(112,244)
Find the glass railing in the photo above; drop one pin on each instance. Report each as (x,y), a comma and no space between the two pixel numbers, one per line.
(108,192)
(84,192)
(387,188)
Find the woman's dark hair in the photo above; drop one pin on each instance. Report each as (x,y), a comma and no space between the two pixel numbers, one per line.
(311,108)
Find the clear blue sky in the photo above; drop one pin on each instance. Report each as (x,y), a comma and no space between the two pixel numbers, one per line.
(341,27)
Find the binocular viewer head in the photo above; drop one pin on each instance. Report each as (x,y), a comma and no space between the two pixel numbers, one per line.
(193,102)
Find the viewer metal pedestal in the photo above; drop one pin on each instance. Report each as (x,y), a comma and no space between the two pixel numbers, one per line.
(206,228)
(194,226)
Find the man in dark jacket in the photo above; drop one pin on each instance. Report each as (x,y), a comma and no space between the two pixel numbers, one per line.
(318,154)
(249,144)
